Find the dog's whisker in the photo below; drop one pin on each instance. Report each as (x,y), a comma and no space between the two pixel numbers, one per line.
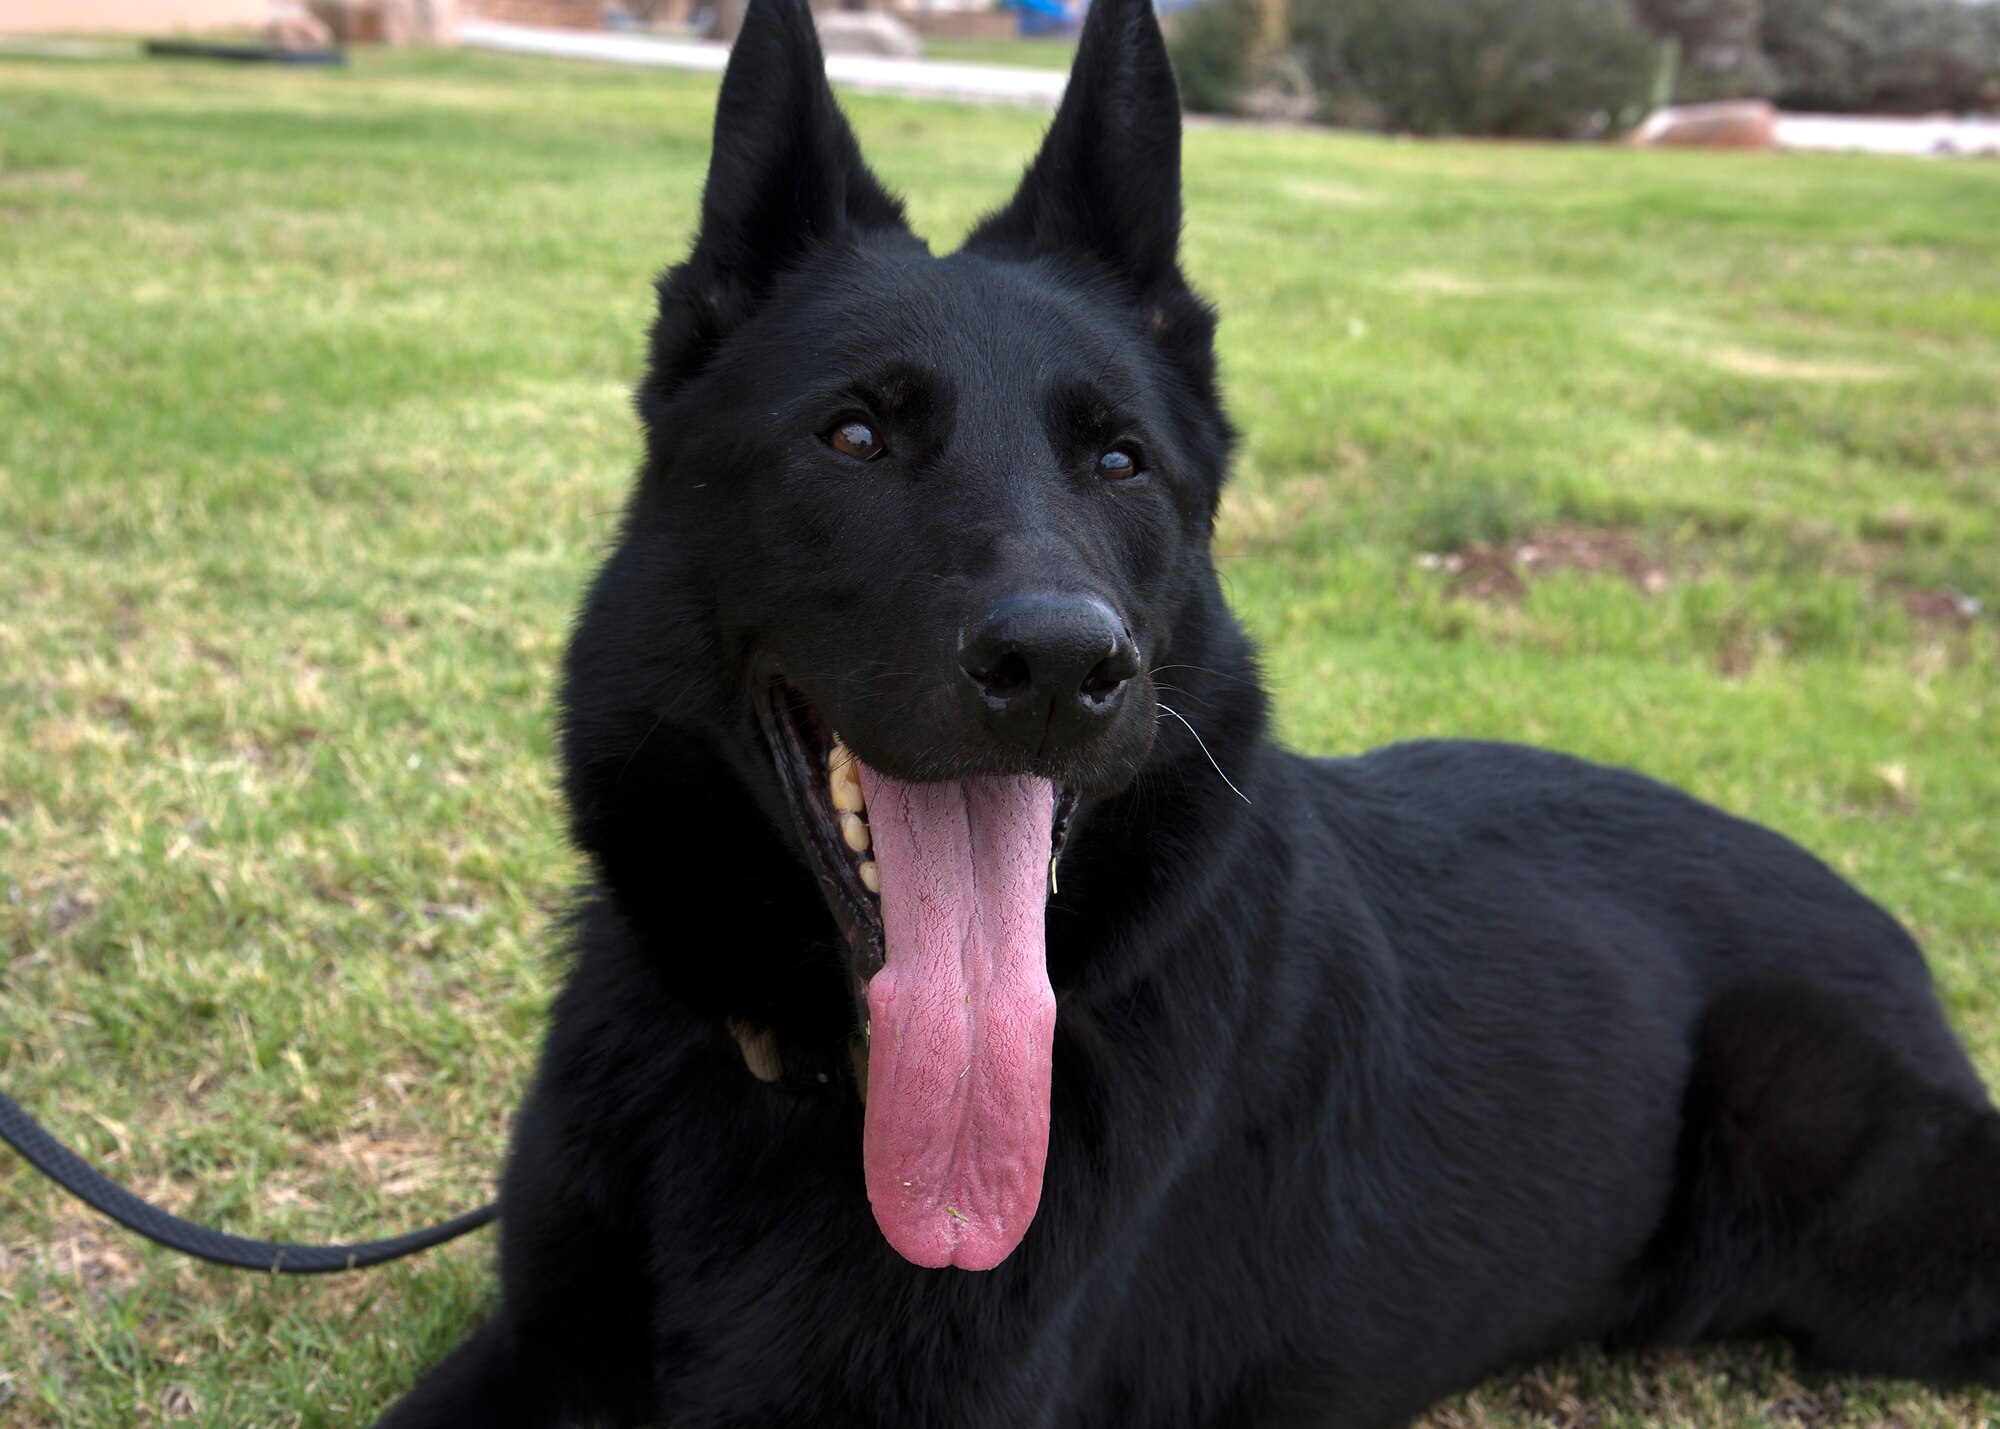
(651,730)
(1204,669)
(1169,709)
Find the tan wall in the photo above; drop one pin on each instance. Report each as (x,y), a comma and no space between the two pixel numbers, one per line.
(127,17)
(561,14)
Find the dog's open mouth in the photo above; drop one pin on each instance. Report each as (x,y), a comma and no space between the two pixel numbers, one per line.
(939,888)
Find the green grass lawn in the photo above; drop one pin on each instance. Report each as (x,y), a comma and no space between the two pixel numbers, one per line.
(314,416)
(1033,53)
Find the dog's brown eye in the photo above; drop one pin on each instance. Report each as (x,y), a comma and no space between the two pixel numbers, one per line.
(1118,463)
(855,439)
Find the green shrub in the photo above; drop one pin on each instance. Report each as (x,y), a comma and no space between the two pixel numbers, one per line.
(1211,47)
(1721,46)
(1885,55)
(1556,68)
(1536,68)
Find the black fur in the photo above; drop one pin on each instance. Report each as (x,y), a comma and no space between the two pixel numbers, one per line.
(1411,1067)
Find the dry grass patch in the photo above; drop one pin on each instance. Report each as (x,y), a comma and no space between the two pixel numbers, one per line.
(1745,362)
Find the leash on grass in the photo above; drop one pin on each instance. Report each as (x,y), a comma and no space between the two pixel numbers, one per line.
(87,1184)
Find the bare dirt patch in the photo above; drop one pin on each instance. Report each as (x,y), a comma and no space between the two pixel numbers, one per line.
(394,1166)
(47,180)
(1333,194)
(1745,362)
(94,1256)
(53,906)
(1940,609)
(1502,572)
(1432,282)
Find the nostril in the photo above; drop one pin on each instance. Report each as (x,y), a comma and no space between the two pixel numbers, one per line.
(1008,678)
(1100,688)
(1104,679)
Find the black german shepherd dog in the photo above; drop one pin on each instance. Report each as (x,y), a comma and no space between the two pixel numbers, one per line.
(949,1043)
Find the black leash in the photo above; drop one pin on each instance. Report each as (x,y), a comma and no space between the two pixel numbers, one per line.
(80,1179)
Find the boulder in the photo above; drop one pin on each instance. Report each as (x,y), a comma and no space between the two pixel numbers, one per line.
(858,32)
(351,22)
(433,22)
(390,22)
(1730,124)
(288,25)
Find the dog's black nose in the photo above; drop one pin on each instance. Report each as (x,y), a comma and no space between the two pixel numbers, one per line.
(1049,659)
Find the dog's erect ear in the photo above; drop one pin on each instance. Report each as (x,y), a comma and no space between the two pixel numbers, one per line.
(785,173)
(1107,183)
(1105,189)
(785,170)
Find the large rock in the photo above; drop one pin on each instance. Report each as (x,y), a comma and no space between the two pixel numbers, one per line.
(389,22)
(857,32)
(288,25)
(434,22)
(1731,124)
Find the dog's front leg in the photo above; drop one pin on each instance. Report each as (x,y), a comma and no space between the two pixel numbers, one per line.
(488,1381)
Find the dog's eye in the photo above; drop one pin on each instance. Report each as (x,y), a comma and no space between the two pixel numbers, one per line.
(1118,463)
(856,439)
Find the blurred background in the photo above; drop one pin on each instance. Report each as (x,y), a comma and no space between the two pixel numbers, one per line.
(1619,377)
(1546,68)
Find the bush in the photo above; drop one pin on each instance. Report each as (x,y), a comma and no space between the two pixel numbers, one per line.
(1532,68)
(1555,67)
(1721,46)
(1211,47)
(1896,55)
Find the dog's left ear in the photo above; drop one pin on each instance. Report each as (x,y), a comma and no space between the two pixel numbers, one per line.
(785,173)
(1106,186)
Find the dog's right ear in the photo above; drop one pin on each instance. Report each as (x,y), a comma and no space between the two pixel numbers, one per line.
(784,174)
(1105,189)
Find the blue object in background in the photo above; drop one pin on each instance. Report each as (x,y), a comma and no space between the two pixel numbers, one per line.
(1048,17)
(1045,18)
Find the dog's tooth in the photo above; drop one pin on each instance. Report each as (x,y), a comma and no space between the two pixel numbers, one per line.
(760,1049)
(855,832)
(847,791)
(871,876)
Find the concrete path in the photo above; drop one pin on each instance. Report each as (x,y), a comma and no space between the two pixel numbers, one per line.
(1916,138)
(927,79)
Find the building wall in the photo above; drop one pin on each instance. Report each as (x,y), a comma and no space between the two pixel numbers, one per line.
(567,14)
(127,17)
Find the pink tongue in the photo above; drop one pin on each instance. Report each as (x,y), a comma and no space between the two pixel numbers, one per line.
(962,1018)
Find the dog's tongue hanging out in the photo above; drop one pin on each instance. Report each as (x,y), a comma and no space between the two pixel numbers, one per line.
(962,1017)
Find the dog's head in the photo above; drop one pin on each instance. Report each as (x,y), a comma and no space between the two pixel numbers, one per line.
(913,536)
(949,507)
